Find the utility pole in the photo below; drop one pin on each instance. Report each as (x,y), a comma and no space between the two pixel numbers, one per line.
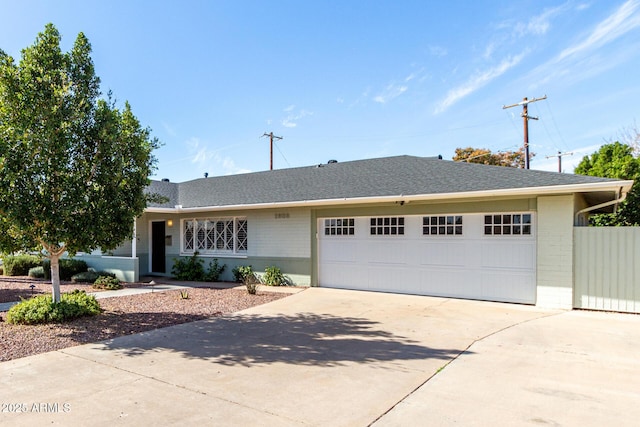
(525,116)
(559,156)
(271,137)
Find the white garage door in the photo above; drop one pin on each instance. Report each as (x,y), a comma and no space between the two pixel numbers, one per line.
(479,256)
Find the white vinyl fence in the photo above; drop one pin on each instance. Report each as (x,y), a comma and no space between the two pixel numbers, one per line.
(607,268)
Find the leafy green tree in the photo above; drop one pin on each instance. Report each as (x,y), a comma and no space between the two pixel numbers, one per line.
(73,167)
(615,160)
(484,156)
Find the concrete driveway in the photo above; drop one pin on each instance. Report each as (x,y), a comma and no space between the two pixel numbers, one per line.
(344,358)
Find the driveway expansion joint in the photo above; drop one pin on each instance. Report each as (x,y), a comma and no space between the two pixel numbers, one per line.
(474,341)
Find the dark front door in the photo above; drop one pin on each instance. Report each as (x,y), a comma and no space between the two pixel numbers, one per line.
(157,247)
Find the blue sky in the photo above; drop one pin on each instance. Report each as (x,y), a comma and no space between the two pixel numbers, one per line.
(353,79)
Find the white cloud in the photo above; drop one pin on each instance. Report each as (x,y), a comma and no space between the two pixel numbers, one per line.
(392,91)
(168,129)
(539,25)
(587,58)
(293,117)
(209,160)
(437,51)
(583,6)
(476,82)
(619,23)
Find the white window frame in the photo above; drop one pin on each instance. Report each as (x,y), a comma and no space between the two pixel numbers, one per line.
(339,227)
(387,226)
(445,225)
(215,236)
(512,224)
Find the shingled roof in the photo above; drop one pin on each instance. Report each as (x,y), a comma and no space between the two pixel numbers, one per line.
(361,179)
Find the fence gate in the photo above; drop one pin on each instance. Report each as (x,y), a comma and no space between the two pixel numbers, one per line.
(607,268)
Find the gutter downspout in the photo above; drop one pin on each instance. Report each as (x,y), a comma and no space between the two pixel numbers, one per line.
(617,200)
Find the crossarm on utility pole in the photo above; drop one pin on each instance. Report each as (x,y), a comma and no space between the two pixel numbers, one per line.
(525,116)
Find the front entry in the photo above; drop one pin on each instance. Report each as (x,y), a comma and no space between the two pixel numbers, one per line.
(158,261)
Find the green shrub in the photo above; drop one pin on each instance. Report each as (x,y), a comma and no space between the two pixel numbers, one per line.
(241,271)
(42,309)
(191,268)
(90,276)
(107,282)
(273,276)
(215,270)
(85,277)
(36,272)
(19,265)
(67,268)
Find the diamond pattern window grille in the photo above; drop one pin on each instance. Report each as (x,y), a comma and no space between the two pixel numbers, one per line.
(215,235)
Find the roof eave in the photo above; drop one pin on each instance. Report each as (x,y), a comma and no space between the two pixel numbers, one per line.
(616,187)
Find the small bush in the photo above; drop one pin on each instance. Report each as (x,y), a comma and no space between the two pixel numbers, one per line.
(85,277)
(19,265)
(36,272)
(42,309)
(215,270)
(107,282)
(241,271)
(191,268)
(67,268)
(273,276)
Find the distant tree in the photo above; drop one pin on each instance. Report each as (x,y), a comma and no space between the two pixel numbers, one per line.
(73,167)
(514,159)
(615,160)
(630,136)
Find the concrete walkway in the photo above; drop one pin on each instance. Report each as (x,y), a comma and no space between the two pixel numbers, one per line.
(344,358)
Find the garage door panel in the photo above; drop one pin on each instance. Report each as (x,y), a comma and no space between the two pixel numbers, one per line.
(508,254)
(508,286)
(496,268)
(442,253)
(445,282)
(390,279)
(384,252)
(340,251)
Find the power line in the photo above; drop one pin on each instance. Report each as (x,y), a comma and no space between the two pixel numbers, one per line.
(525,116)
(553,119)
(282,154)
(559,156)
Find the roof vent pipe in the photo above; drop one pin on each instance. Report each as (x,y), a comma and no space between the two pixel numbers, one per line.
(332,161)
(165,179)
(206,174)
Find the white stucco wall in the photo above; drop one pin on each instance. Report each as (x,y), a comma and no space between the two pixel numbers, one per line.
(555,252)
(285,233)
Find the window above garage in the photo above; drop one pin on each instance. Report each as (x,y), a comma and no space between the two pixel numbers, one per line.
(339,227)
(387,226)
(443,225)
(507,224)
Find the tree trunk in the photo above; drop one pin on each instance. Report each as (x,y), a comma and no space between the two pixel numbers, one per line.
(55,276)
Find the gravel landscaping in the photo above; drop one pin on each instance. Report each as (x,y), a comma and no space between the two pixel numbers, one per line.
(122,315)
